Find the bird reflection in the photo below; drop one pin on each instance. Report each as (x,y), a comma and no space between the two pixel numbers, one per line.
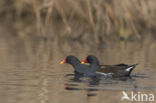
(74,82)
(79,78)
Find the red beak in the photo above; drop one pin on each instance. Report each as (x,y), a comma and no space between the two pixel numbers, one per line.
(84,61)
(63,61)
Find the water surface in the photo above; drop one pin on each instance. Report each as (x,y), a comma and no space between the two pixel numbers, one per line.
(30,72)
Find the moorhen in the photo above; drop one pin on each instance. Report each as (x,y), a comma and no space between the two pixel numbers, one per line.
(119,70)
(82,69)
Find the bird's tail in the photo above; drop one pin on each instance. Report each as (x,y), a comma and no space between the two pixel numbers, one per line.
(131,68)
(134,65)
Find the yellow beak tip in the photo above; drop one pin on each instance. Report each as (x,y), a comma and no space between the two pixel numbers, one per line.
(61,63)
(82,62)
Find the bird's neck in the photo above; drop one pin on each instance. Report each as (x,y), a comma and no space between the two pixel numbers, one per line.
(95,63)
(75,64)
(94,66)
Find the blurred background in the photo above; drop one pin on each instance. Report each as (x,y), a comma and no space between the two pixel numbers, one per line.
(81,21)
(35,35)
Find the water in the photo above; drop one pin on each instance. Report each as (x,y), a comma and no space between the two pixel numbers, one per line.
(30,72)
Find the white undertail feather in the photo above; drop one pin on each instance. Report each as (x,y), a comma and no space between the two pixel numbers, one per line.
(128,69)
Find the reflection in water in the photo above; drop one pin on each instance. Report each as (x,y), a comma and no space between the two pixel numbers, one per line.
(93,82)
(79,78)
(30,71)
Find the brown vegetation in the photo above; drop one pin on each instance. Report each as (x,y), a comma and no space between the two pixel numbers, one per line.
(77,20)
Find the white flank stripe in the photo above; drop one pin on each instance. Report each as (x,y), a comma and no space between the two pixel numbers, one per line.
(104,73)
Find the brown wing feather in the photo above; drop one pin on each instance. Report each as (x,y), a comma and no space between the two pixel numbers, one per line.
(112,68)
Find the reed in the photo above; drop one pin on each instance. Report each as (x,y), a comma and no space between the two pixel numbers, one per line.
(80,19)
